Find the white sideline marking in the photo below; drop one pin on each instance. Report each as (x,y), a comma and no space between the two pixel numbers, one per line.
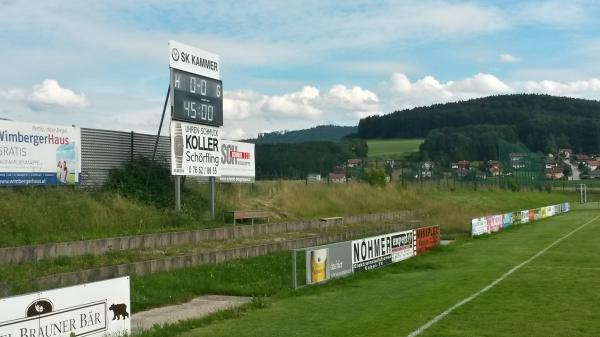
(491,285)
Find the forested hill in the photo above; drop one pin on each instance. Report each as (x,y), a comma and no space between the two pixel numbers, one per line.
(493,110)
(320,133)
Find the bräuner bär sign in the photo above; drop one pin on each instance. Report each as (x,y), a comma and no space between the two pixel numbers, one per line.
(92,309)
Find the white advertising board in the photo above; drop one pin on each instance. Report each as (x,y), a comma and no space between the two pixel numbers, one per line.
(92,309)
(479,226)
(41,154)
(194,60)
(195,150)
(377,251)
(237,162)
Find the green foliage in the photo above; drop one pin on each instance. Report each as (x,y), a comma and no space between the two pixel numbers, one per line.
(393,148)
(133,181)
(295,161)
(543,123)
(332,133)
(375,177)
(473,142)
(435,281)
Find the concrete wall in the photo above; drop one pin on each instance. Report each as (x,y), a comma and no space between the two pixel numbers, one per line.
(13,255)
(212,257)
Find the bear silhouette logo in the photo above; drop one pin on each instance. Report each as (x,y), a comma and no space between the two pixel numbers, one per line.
(119,310)
(39,307)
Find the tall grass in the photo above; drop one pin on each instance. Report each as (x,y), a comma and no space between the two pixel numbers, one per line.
(49,214)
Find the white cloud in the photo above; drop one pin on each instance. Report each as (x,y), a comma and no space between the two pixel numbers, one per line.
(582,89)
(352,103)
(508,58)
(242,104)
(14,94)
(554,13)
(301,104)
(405,94)
(234,134)
(49,93)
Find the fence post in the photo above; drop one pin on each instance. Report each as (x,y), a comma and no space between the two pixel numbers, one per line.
(294,278)
(131,147)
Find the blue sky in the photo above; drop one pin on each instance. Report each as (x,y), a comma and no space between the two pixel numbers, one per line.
(289,65)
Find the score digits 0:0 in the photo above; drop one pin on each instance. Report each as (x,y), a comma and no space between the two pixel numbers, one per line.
(196,99)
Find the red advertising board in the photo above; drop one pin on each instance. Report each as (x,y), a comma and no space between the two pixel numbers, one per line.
(531,215)
(427,238)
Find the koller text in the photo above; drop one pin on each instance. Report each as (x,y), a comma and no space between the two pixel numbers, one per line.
(201,143)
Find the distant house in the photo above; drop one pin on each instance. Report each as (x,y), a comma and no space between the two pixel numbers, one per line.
(518,160)
(494,168)
(427,169)
(461,164)
(565,153)
(354,162)
(595,174)
(337,178)
(550,163)
(313,177)
(581,158)
(461,167)
(554,173)
(339,170)
(592,164)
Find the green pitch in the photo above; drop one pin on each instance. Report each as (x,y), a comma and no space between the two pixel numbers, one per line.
(392,148)
(555,294)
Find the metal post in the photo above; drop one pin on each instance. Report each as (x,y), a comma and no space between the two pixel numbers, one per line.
(177,193)
(131,147)
(162,118)
(294,277)
(212,197)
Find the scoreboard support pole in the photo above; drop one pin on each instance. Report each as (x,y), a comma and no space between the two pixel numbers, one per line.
(211,184)
(162,118)
(177,193)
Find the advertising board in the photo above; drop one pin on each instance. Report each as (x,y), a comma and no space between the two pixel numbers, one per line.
(566,207)
(426,238)
(507,220)
(517,217)
(39,154)
(531,215)
(195,150)
(494,223)
(93,309)
(524,216)
(328,261)
(377,251)
(194,60)
(479,226)
(343,258)
(237,162)
(537,213)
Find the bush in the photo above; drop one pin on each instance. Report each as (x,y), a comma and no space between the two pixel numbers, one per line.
(375,177)
(132,181)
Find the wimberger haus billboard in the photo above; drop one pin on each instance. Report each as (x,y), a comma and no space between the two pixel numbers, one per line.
(92,309)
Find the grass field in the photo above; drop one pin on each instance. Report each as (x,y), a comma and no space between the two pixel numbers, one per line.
(555,294)
(392,148)
(40,215)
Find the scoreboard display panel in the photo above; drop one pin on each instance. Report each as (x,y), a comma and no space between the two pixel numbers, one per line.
(196,98)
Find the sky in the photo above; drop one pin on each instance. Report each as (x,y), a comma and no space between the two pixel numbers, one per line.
(288,65)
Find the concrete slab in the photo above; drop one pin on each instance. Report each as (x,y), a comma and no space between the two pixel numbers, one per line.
(196,308)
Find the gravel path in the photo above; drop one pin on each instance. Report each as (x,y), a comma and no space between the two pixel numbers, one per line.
(196,308)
